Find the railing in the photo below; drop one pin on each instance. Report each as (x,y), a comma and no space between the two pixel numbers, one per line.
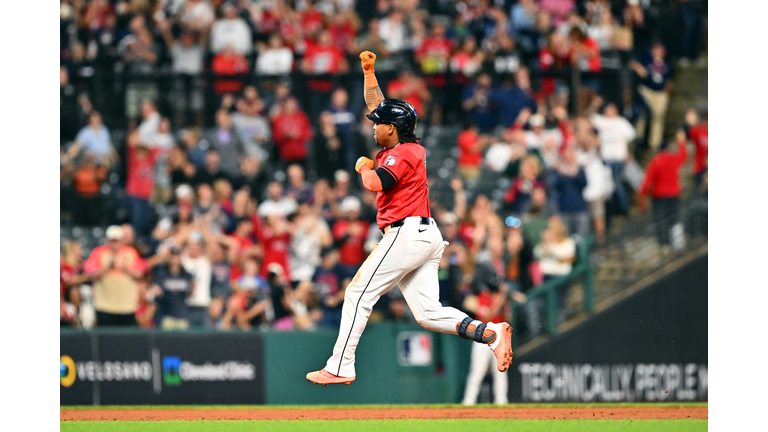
(108,86)
(548,292)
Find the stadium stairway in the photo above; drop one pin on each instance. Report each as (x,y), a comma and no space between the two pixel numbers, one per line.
(691,84)
(691,91)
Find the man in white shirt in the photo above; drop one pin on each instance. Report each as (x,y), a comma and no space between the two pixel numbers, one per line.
(501,154)
(275,59)
(393,32)
(538,135)
(196,262)
(231,30)
(150,124)
(276,203)
(615,133)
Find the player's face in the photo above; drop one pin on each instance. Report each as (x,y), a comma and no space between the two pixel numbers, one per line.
(382,133)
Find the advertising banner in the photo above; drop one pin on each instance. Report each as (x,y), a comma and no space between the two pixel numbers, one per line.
(650,347)
(118,368)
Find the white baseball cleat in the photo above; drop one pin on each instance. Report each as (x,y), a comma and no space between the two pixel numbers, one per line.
(503,342)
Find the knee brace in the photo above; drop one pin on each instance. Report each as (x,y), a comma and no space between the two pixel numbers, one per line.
(479,333)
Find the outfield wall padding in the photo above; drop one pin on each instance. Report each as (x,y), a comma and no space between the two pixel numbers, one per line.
(396,363)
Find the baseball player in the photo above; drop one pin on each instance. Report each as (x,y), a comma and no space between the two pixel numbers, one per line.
(409,253)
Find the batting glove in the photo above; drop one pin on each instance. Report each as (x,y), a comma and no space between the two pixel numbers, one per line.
(363,161)
(367,60)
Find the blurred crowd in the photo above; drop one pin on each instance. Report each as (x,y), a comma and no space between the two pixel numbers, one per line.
(258,219)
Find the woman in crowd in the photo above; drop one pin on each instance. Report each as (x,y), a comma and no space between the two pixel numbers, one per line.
(556,254)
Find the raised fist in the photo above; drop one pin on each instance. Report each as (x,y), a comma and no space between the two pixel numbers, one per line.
(363,161)
(367,59)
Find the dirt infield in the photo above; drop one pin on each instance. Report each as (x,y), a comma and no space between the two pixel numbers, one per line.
(362,413)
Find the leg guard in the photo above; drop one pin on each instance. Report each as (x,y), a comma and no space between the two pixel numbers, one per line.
(477,333)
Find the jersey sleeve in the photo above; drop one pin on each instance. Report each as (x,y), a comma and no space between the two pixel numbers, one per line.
(398,163)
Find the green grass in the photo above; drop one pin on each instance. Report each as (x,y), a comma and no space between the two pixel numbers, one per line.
(390,425)
(269,407)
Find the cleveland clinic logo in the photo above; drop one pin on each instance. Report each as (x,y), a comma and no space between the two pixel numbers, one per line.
(175,371)
(171,367)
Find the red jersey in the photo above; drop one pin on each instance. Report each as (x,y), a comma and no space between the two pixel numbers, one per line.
(275,251)
(352,251)
(66,272)
(407,163)
(311,20)
(466,231)
(323,60)
(223,64)
(662,178)
(291,132)
(593,63)
(141,174)
(548,60)
(398,86)
(699,135)
(483,312)
(468,156)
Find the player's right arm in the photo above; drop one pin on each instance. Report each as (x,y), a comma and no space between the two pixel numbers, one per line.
(371,90)
(374,181)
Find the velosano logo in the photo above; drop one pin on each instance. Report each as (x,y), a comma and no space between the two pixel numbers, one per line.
(69,371)
(175,370)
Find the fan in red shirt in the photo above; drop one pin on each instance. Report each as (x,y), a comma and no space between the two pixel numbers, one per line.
(471,146)
(275,239)
(96,14)
(411,89)
(466,63)
(342,28)
(229,62)
(311,20)
(291,131)
(699,134)
(554,56)
(140,181)
(586,51)
(662,181)
(350,234)
(323,58)
(291,33)
(242,241)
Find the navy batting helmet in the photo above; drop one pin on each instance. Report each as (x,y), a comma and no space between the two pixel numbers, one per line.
(399,113)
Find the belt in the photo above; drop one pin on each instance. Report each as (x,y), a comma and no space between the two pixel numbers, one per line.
(401,222)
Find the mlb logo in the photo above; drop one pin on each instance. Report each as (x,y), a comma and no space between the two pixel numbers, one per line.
(414,349)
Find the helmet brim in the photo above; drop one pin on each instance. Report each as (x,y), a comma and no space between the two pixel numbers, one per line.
(374,116)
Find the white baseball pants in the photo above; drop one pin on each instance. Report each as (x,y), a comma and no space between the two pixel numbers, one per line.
(409,256)
(481,362)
